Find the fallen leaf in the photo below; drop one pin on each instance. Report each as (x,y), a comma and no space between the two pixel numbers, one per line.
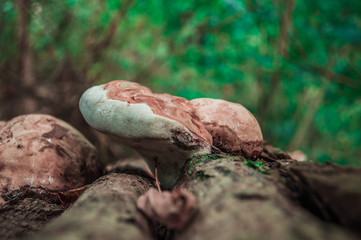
(173,209)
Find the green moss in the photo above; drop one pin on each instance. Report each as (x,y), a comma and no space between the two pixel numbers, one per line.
(253,164)
(256,165)
(201,158)
(200,174)
(282,181)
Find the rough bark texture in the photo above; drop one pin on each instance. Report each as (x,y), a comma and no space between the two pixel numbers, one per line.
(106,210)
(237,199)
(21,216)
(239,202)
(329,191)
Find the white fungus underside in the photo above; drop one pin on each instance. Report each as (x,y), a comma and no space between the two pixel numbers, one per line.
(137,126)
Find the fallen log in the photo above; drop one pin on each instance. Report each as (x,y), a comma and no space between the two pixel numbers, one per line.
(238,201)
(105,211)
(331,192)
(25,214)
(272,198)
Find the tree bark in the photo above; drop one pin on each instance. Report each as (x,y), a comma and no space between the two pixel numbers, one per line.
(236,199)
(105,211)
(21,216)
(240,202)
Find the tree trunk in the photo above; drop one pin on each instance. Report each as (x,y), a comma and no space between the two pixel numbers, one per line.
(307,119)
(271,90)
(27,73)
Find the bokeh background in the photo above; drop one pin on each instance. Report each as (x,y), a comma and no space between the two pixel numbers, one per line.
(295,64)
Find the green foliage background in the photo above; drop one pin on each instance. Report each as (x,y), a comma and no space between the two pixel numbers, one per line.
(295,64)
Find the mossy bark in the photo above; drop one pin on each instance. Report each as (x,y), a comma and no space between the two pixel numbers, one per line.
(106,210)
(237,201)
(331,192)
(276,198)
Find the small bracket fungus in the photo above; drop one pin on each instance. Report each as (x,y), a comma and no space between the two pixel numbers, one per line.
(233,128)
(43,151)
(160,127)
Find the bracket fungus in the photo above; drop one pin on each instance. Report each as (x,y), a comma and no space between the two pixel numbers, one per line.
(42,151)
(160,127)
(233,128)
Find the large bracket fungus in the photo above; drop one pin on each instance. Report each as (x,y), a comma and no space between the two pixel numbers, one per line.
(160,127)
(169,130)
(42,151)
